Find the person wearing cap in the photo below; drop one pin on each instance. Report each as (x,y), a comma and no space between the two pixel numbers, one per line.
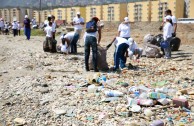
(167,35)
(174,22)
(70,39)
(6,28)
(78,23)
(49,36)
(120,54)
(27,27)
(90,39)
(15,28)
(124,29)
(134,50)
(19,28)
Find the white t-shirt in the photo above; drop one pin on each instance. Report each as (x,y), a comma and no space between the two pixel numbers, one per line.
(174,21)
(54,26)
(120,40)
(68,36)
(124,30)
(78,20)
(133,46)
(19,26)
(48,31)
(167,32)
(14,25)
(6,26)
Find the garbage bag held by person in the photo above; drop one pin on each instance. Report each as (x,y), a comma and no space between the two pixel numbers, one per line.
(101,63)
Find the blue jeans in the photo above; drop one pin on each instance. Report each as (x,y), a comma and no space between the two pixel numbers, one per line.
(91,41)
(74,43)
(27,33)
(119,57)
(167,50)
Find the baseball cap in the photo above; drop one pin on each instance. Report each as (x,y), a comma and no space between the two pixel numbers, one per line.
(26,16)
(131,40)
(168,17)
(78,13)
(126,19)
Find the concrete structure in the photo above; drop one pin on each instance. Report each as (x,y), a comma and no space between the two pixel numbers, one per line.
(114,12)
(60,13)
(71,13)
(139,11)
(158,9)
(191,9)
(92,11)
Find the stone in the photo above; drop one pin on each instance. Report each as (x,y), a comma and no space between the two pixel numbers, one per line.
(44,90)
(60,111)
(19,121)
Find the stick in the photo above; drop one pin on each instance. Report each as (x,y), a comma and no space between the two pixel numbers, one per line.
(163,107)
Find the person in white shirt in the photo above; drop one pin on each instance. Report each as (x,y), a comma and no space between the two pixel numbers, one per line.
(19,28)
(1,25)
(70,41)
(54,25)
(134,50)
(49,35)
(124,29)
(167,35)
(78,23)
(6,28)
(174,22)
(15,28)
(120,58)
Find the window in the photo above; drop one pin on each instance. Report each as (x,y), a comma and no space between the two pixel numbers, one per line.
(59,14)
(111,14)
(72,14)
(92,12)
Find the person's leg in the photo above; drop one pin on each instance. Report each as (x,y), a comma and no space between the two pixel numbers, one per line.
(116,58)
(123,59)
(19,32)
(74,43)
(87,52)
(130,54)
(139,51)
(93,42)
(29,33)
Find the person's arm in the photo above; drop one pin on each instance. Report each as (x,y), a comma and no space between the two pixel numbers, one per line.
(119,30)
(82,22)
(118,33)
(99,34)
(109,45)
(68,42)
(175,27)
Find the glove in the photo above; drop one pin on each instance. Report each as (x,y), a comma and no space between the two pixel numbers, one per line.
(173,34)
(108,46)
(160,28)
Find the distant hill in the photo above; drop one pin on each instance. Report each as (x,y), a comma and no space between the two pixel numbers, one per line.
(55,3)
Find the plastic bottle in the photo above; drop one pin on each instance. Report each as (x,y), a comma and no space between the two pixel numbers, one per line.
(157,123)
(145,102)
(113,93)
(131,102)
(155,95)
(92,88)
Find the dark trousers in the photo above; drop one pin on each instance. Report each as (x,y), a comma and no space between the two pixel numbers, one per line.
(119,57)
(27,33)
(15,32)
(91,41)
(74,43)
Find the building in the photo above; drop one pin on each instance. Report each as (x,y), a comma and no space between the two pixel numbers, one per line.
(60,13)
(44,15)
(191,9)
(15,14)
(139,11)
(158,9)
(0,13)
(93,11)
(71,13)
(114,12)
(6,14)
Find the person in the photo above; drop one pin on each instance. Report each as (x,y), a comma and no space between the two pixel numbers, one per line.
(15,27)
(167,35)
(6,28)
(71,39)
(49,36)
(78,23)
(19,28)
(53,25)
(120,54)
(92,30)
(27,28)
(174,22)
(124,29)
(134,50)
(1,25)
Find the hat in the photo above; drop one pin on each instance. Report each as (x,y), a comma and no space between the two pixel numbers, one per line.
(78,13)
(26,16)
(49,16)
(131,40)
(168,17)
(126,19)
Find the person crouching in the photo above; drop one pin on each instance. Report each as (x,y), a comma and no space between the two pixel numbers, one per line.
(49,36)
(134,50)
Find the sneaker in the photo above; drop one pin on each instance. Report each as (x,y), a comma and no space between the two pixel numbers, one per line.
(87,69)
(96,70)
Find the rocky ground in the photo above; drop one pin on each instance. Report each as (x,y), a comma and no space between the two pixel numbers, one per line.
(38,88)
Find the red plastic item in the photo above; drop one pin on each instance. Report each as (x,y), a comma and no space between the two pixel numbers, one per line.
(180,102)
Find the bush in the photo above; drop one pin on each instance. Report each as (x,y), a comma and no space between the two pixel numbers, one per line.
(35,32)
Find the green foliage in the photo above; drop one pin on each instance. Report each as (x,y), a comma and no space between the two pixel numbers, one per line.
(35,32)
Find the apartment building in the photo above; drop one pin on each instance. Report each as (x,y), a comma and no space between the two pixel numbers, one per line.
(114,12)
(60,13)
(93,11)
(191,9)
(139,11)
(71,13)
(15,14)
(158,9)
(0,13)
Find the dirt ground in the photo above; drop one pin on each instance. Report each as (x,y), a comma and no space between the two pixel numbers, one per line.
(35,85)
